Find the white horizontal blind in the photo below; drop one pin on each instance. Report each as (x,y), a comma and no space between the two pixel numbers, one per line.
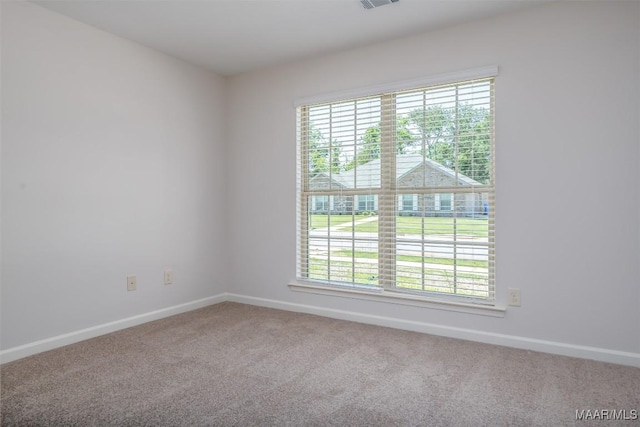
(395,191)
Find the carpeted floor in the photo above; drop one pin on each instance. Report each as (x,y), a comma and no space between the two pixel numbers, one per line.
(239,365)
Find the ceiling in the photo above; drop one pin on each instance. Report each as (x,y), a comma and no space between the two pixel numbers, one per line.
(234,36)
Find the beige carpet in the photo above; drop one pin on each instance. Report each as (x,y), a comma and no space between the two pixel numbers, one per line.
(239,365)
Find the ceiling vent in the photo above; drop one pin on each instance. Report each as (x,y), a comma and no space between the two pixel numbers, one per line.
(370,4)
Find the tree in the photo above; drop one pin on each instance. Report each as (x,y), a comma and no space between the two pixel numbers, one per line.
(370,150)
(474,143)
(435,126)
(456,138)
(404,137)
(371,143)
(370,146)
(323,156)
(447,133)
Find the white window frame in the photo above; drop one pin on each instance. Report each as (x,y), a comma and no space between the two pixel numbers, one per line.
(387,219)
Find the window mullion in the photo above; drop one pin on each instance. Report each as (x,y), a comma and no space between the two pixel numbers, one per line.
(387,196)
(353,211)
(454,211)
(330,166)
(303,199)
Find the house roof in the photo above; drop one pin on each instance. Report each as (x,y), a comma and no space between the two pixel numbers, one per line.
(412,161)
(368,174)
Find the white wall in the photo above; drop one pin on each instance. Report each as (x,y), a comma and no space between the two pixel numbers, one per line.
(568,188)
(112,164)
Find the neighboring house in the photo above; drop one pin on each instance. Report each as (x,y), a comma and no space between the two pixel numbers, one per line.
(411,170)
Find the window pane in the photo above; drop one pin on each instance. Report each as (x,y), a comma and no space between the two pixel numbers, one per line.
(342,140)
(352,261)
(333,253)
(444,136)
(444,247)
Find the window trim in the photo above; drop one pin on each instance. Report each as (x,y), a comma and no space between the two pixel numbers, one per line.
(386,92)
(382,295)
(432,80)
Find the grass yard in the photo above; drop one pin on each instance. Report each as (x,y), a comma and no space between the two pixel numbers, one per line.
(431,274)
(343,271)
(324,221)
(414,258)
(435,280)
(477,227)
(442,281)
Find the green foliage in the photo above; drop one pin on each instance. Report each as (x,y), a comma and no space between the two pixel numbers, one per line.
(323,155)
(435,126)
(456,138)
(371,143)
(370,146)
(474,145)
(404,137)
(445,133)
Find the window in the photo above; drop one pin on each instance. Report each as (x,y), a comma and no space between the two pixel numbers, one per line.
(443,201)
(366,203)
(321,204)
(411,176)
(408,202)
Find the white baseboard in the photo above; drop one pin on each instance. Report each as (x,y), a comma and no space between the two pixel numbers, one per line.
(582,352)
(19,352)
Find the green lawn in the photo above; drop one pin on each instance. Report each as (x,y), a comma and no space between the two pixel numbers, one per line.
(468,284)
(477,227)
(414,258)
(322,221)
(407,278)
(432,225)
(433,279)
(342,271)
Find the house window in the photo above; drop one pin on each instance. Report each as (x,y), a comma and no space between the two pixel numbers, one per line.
(428,150)
(321,204)
(408,202)
(443,201)
(366,203)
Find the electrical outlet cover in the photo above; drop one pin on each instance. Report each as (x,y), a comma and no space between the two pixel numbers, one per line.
(513,297)
(132,283)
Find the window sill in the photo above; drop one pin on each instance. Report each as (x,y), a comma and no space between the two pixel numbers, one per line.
(382,295)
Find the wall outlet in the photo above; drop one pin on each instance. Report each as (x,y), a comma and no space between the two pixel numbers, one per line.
(513,297)
(132,283)
(168,277)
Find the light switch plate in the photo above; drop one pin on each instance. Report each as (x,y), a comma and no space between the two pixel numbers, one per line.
(168,277)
